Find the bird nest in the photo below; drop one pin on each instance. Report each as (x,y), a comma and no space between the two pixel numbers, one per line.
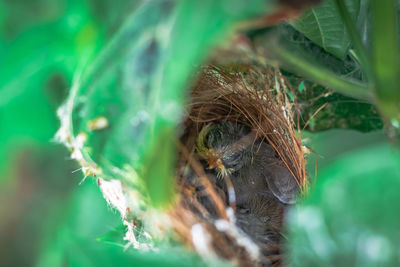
(237,215)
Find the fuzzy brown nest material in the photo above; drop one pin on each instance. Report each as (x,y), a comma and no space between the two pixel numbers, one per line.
(204,219)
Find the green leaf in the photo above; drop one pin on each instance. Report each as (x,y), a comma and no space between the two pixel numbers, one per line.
(114,237)
(105,256)
(322,109)
(160,163)
(137,86)
(74,240)
(386,56)
(359,50)
(297,54)
(37,62)
(349,217)
(324,26)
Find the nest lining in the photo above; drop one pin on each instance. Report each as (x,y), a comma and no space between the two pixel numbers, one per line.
(205,218)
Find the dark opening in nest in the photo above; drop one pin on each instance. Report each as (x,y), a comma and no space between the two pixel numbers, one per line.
(241,165)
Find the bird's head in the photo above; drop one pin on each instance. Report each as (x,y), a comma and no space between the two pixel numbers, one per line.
(224,146)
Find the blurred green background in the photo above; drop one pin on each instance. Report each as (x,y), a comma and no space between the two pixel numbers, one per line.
(47,218)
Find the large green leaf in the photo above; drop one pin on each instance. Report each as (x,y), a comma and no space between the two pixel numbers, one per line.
(128,103)
(37,66)
(78,239)
(324,26)
(350,217)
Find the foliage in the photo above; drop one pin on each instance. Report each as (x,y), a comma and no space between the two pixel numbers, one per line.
(322,109)
(129,65)
(347,218)
(380,80)
(323,26)
(38,66)
(52,221)
(82,240)
(138,88)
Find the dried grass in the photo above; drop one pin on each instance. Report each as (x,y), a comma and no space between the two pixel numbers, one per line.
(258,99)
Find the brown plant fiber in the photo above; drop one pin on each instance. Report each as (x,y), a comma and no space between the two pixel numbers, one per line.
(254,97)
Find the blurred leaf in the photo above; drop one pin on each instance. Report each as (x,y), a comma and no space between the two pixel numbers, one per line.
(84,217)
(98,256)
(324,26)
(327,146)
(38,186)
(76,241)
(137,85)
(110,14)
(162,156)
(348,218)
(38,60)
(34,13)
(386,57)
(114,237)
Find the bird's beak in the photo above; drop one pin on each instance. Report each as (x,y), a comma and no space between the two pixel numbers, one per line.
(212,164)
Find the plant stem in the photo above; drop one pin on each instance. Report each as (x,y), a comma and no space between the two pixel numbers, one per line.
(386,57)
(355,38)
(320,74)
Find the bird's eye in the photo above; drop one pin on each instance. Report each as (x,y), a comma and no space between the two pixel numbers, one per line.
(232,160)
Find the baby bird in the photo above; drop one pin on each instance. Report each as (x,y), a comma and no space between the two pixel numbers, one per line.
(232,149)
(263,185)
(224,147)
